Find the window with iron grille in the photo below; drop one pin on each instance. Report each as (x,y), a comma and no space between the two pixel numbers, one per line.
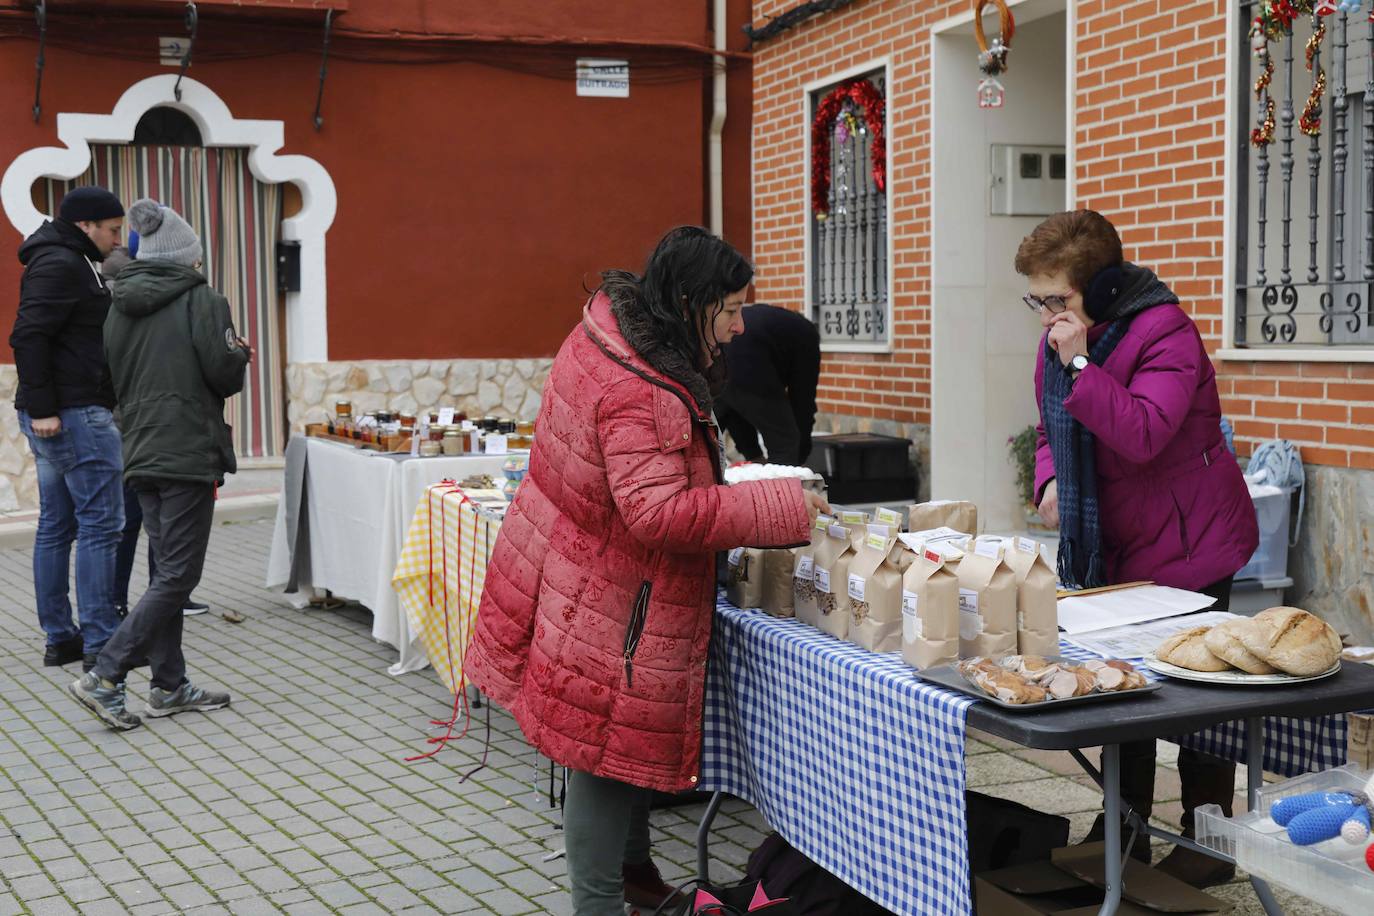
(1305,198)
(848,283)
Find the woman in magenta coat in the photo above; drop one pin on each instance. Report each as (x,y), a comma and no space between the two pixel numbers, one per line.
(594,623)
(1131,464)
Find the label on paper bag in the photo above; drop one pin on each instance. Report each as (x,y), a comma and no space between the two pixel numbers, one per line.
(853,518)
(889,517)
(912,629)
(990,549)
(968,601)
(856,587)
(734,556)
(877,541)
(823,522)
(934,557)
(839,531)
(1025,545)
(805,568)
(823,581)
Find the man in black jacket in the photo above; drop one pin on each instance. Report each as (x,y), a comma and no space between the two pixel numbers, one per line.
(773,369)
(175,359)
(64,402)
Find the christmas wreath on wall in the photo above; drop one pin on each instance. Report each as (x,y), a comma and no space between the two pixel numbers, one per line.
(854,106)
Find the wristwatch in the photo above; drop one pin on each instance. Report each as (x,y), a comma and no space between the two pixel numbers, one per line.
(1078,364)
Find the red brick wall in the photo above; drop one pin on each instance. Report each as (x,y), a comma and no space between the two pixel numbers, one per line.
(892,386)
(1150,144)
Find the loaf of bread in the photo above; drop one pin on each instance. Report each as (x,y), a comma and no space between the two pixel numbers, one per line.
(1188,649)
(1225,642)
(1293,641)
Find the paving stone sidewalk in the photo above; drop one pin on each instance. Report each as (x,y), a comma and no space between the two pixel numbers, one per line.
(298,798)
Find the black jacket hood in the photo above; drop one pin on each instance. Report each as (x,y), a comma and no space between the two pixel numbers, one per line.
(62,234)
(144,287)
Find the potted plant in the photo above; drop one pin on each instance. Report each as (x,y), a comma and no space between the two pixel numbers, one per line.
(1021,453)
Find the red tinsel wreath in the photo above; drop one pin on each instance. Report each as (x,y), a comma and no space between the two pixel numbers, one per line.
(865,95)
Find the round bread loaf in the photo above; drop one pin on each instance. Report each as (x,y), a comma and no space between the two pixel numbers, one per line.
(1224,641)
(1188,649)
(1293,641)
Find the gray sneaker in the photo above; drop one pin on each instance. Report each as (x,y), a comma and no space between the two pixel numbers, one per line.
(186,697)
(105,699)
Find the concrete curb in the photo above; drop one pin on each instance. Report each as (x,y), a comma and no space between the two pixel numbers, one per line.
(246,508)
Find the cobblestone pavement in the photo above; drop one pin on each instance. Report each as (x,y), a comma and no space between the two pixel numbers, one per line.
(298,797)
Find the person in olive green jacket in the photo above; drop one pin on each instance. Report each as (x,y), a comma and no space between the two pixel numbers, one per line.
(175,359)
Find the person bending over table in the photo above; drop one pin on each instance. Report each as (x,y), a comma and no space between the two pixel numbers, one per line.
(1131,465)
(594,623)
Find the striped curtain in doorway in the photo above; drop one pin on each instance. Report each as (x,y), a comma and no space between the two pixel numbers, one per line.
(238,219)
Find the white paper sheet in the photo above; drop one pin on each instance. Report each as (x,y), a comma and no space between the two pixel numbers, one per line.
(1129,605)
(1136,640)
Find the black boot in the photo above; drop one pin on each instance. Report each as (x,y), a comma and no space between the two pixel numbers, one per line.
(1206,780)
(1137,791)
(63,653)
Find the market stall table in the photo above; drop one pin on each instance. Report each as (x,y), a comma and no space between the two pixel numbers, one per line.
(860,764)
(356,506)
(441,571)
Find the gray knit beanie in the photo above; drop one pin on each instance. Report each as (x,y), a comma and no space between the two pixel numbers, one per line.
(163,235)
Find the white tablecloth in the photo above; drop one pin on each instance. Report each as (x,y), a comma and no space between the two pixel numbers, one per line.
(359,506)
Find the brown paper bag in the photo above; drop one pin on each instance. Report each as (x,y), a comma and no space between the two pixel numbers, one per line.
(875,590)
(744,578)
(1037,605)
(803,574)
(987,603)
(831,571)
(943,513)
(776,596)
(930,610)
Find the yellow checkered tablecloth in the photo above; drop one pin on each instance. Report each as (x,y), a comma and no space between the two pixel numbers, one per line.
(439,576)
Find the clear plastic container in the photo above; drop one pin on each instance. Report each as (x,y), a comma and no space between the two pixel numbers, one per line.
(1273,505)
(1332,873)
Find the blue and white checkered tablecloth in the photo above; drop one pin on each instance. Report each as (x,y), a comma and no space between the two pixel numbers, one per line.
(860,764)
(850,757)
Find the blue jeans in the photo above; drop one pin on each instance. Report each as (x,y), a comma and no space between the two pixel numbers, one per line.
(81,498)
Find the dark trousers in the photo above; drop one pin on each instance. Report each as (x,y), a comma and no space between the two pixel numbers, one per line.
(128,547)
(1205,779)
(746,416)
(177,516)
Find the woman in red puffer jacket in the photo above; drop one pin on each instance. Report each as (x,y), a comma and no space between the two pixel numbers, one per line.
(594,623)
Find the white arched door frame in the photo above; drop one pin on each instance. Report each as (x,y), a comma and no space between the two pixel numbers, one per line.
(306,311)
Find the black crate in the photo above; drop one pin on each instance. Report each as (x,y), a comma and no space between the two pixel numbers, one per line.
(864,467)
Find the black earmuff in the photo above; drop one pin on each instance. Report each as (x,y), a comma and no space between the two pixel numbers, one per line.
(1102,291)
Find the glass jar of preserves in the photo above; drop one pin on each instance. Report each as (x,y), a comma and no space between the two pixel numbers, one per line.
(452,441)
(343,409)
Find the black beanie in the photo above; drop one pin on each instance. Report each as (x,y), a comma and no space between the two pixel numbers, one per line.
(89,203)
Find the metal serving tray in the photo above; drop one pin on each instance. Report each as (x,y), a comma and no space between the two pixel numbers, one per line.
(949,676)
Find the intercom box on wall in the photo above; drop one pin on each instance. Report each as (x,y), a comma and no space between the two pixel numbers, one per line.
(1027,180)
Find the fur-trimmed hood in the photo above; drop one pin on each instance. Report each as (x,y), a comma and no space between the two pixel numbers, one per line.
(638,332)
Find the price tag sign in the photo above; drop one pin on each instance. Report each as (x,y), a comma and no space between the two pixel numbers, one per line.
(445,416)
(496,444)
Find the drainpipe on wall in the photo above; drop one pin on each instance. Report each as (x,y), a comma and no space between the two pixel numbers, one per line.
(716,169)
